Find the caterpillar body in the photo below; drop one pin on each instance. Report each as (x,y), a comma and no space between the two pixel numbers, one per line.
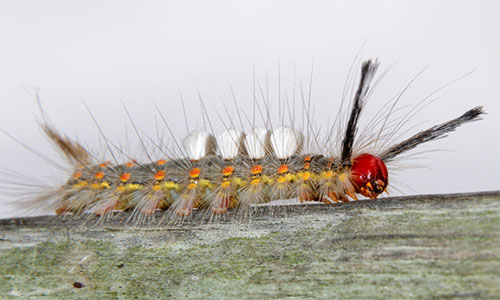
(238,170)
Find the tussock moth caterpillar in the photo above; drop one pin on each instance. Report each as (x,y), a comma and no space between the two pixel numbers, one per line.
(237,169)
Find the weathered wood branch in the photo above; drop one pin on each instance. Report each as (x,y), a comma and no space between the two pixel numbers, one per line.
(441,246)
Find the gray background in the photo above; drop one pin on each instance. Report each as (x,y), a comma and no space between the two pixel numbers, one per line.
(137,52)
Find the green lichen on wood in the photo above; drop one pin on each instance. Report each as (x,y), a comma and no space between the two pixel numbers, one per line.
(431,247)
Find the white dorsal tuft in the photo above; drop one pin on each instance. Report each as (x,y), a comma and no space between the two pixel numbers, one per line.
(257,143)
(199,144)
(286,142)
(230,143)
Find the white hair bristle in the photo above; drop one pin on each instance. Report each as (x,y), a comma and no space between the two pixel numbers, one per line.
(286,142)
(199,144)
(230,143)
(257,143)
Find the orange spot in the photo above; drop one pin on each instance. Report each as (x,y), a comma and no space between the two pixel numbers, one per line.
(161,162)
(283,169)
(307,165)
(129,164)
(105,164)
(257,169)
(307,158)
(191,186)
(194,173)
(125,177)
(99,175)
(77,175)
(159,175)
(227,171)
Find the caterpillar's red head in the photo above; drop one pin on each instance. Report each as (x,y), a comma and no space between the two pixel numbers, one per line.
(369,175)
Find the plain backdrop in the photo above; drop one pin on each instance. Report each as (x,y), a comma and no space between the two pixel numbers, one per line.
(112,54)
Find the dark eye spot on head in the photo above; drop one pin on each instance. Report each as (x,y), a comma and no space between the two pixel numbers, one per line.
(78,285)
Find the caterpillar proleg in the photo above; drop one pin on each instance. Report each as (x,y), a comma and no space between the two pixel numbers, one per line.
(236,170)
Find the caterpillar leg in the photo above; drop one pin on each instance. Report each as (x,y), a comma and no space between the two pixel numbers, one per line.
(222,203)
(305,192)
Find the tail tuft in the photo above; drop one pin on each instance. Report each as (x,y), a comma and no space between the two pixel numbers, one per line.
(433,133)
(73,152)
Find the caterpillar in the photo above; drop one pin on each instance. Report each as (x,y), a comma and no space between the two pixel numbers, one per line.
(236,170)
